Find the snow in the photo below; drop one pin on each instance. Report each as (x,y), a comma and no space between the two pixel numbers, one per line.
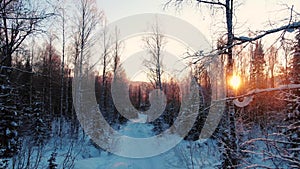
(146,145)
(177,157)
(142,118)
(14,124)
(81,153)
(7,132)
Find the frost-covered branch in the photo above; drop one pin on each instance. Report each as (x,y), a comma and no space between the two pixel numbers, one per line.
(22,71)
(258,91)
(267,140)
(289,27)
(257,166)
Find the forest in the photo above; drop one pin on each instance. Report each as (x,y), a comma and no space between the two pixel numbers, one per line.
(62,69)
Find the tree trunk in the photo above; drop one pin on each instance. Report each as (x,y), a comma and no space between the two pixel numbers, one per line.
(231,151)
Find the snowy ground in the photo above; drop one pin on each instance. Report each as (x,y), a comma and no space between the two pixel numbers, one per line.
(203,155)
(84,154)
(185,155)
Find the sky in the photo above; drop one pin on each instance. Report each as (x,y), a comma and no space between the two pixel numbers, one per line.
(254,15)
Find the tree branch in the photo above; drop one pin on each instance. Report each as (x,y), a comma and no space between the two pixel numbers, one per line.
(244,39)
(28,18)
(212,2)
(258,91)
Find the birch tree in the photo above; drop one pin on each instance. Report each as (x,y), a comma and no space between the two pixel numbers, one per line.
(272,61)
(86,21)
(87,18)
(155,44)
(105,62)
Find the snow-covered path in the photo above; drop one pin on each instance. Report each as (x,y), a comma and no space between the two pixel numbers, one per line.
(132,129)
(178,157)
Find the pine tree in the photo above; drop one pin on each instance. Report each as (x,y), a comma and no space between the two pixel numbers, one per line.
(39,127)
(8,116)
(294,78)
(295,65)
(52,161)
(293,106)
(258,107)
(4,163)
(257,76)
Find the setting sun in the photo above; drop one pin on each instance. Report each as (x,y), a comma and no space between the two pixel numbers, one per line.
(235,82)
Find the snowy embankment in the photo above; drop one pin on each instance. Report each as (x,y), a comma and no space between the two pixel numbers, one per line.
(185,155)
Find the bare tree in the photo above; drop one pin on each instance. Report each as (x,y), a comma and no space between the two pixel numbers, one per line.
(63,28)
(86,21)
(18,21)
(50,56)
(231,140)
(287,50)
(105,61)
(272,57)
(116,52)
(155,43)
(87,18)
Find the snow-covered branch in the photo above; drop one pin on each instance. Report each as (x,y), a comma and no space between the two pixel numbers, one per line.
(247,98)
(22,71)
(258,91)
(267,140)
(289,27)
